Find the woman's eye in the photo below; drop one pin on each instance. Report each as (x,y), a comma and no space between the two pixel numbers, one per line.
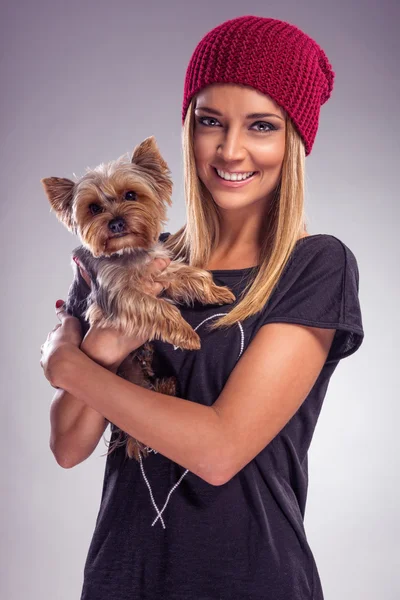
(271,127)
(130,195)
(202,119)
(95,209)
(266,126)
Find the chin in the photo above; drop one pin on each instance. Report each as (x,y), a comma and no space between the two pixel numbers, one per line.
(230,203)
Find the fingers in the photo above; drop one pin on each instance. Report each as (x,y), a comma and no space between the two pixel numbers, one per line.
(85,276)
(159,264)
(155,269)
(83,272)
(52,331)
(156,266)
(61,314)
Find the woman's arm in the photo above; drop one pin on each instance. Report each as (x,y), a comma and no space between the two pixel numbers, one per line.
(76,428)
(274,376)
(186,432)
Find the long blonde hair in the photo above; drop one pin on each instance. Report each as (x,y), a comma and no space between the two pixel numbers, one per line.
(285,222)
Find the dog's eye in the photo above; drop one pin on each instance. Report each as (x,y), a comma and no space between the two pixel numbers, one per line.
(95,209)
(130,195)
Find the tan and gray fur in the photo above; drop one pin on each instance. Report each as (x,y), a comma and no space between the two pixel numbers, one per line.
(118,211)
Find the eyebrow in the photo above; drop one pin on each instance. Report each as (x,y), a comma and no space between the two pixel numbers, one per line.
(250,116)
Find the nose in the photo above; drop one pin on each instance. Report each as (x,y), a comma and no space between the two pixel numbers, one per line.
(231,148)
(117,225)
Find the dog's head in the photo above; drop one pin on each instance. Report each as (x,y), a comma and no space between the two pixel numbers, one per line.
(118,206)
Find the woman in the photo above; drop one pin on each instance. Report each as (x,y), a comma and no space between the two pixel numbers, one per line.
(216,510)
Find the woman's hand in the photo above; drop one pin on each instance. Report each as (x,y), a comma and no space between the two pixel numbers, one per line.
(62,338)
(110,347)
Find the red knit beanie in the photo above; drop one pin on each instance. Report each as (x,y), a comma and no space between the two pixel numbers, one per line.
(272,56)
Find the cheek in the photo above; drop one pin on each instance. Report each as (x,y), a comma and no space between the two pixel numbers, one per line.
(201,155)
(198,148)
(279,147)
(271,156)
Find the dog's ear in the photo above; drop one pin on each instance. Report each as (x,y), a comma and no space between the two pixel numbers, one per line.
(147,155)
(60,193)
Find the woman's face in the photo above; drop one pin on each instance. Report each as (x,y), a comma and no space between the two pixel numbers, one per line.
(238,130)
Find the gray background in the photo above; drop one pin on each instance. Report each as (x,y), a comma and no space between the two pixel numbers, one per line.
(84,82)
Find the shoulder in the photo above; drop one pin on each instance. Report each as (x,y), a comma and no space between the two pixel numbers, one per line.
(324,250)
(323,243)
(319,288)
(320,269)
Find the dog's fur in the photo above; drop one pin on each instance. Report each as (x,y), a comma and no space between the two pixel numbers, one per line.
(118,211)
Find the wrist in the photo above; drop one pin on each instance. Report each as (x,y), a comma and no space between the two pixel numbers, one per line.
(91,348)
(60,364)
(68,362)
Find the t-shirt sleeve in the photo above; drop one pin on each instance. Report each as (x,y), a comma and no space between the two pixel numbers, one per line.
(319,288)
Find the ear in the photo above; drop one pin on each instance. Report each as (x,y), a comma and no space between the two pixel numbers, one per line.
(60,193)
(147,155)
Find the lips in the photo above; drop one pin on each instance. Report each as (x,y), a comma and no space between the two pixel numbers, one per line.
(234,184)
(238,172)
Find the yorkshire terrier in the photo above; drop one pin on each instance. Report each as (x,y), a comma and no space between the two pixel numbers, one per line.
(118,211)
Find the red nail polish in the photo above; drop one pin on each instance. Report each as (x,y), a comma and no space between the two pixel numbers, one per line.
(59,303)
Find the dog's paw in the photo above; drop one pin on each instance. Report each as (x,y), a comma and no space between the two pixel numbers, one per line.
(186,338)
(221,295)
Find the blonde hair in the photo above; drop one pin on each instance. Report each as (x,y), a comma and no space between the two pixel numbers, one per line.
(285,223)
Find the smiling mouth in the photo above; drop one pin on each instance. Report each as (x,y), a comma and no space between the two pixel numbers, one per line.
(238,172)
(235,181)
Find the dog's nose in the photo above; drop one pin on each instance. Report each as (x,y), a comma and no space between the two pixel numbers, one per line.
(117,225)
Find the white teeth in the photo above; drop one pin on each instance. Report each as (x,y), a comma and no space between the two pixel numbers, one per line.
(234,176)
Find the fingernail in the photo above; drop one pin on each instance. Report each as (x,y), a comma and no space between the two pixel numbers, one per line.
(59,303)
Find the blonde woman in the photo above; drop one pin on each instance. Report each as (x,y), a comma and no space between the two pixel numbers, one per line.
(215,511)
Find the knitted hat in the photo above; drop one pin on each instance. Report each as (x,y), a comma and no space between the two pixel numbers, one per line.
(272,56)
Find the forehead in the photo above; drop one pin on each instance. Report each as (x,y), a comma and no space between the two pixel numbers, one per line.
(231,98)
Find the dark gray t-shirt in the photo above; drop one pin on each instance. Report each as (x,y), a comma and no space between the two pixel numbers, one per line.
(164,533)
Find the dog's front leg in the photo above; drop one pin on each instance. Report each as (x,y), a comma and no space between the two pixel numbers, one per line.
(185,284)
(148,317)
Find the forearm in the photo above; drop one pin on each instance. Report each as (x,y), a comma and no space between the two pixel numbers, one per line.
(67,409)
(75,427)
(186,432)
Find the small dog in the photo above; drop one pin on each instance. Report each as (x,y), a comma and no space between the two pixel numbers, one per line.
(118,210)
